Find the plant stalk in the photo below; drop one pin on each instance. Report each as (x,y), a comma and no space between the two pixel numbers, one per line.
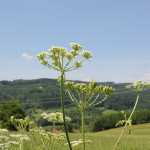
(63,111)
(127,122)
(83,134)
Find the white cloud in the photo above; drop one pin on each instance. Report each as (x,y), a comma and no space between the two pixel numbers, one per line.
(26,56)
(86,80)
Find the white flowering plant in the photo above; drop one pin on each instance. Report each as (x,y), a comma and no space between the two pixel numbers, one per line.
(138,87)
(60,55)
(55,117)
(47,140)
(22,124)
(85,96)
(61,60)
(12,141)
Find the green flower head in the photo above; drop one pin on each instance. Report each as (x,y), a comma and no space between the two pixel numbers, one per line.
(139,86)
(42,55)
(93,84)
(86,54)
(69,85)
(61,59)
(78,64)
(108,90)
(76,46)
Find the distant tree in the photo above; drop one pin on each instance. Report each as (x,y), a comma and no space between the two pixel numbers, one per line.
(106,122)
(8,109)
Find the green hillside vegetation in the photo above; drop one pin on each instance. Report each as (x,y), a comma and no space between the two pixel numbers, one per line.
(109,121)
(44,94)
(42,97)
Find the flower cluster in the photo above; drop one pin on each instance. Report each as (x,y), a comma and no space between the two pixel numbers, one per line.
(5,140)
(80,141)
(3,130)
(55,117)
(86,93)
(57,55)
(4,146)
(48,135)
(22,124)
(139,86)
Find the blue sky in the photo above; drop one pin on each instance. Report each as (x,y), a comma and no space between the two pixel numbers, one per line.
(116,32)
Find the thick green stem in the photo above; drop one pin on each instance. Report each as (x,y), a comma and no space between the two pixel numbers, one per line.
(127,122)
(63,111)
(83,134)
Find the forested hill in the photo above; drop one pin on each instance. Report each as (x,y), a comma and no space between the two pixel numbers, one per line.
(44,93)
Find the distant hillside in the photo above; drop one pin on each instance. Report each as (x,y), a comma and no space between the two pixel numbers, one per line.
(44,93)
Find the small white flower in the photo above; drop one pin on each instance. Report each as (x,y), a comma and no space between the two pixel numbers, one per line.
(68,119)
(44,114)
(15,135)
(18,135)
(13,143)
(75,143)
(4,146)
(24,139)
(4,138)
(3,130)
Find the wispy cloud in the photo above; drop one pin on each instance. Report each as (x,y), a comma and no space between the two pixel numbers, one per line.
(86,80)
(26,56)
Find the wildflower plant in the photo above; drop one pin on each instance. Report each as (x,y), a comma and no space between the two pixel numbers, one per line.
(47,140)
(126,120)
(138,87)
(55,117)
(87,96)
(6,140)
(22,124)
(64,61)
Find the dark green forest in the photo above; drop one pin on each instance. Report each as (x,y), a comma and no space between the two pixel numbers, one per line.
(44,94)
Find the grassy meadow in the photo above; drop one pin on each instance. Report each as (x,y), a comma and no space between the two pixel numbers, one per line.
(105,140)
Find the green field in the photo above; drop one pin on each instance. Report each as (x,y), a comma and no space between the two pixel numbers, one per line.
(105,140)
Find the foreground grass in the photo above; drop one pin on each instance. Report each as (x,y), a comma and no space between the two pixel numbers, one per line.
(105,140)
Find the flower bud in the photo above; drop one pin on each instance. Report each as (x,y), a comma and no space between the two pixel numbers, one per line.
(86,54)
(76,46)
(108,90)
(78,64)
(69,56)
(74,53)
(69,85)
(42,55)
(63,52)
(59,79)
(93,84)
(44,62)
(100,89)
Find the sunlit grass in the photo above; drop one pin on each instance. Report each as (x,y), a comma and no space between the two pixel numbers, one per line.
(105,140)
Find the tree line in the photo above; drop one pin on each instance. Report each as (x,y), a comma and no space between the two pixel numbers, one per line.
(44,94)
(106,122)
